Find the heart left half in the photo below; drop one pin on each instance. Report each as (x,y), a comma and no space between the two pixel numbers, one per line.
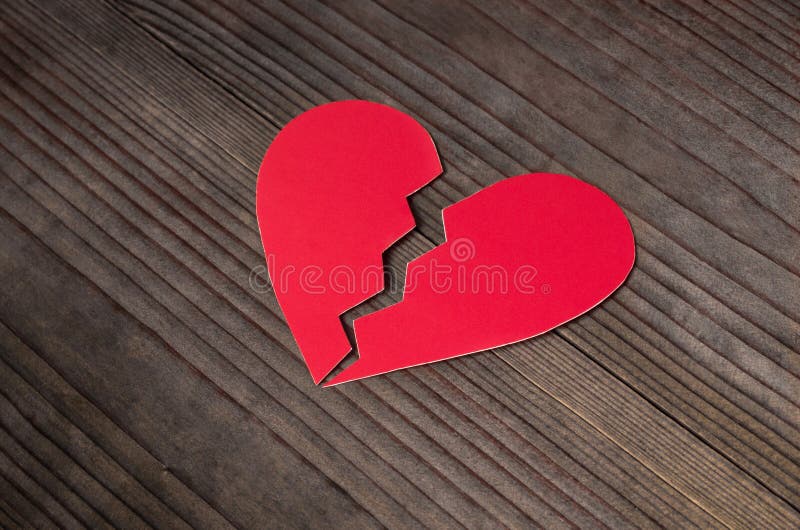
(330,199)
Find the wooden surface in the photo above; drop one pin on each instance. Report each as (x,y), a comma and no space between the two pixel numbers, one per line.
(145,382)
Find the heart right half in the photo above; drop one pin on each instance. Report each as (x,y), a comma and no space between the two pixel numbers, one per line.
(522,257)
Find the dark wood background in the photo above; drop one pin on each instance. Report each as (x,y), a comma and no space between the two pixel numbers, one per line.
(145,382)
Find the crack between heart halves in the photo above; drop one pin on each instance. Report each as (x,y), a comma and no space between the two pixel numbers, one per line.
(394,260)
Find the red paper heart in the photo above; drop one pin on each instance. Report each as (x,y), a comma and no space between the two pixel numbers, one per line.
(521,257)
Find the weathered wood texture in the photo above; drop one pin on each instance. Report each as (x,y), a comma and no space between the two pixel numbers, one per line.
(146,383)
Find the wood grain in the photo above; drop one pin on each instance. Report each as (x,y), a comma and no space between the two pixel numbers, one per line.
(147,383)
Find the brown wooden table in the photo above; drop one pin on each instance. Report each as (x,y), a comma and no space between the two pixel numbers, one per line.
(145,380)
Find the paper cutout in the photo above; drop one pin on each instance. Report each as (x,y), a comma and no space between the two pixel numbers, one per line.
(522,257)
(331,195)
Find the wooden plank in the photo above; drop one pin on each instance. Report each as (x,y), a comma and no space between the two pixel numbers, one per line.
(778,71)
(302,375)
(786,12)
(12,514)
(26,510)
(6,520)
(86,467)
(119,163)
(735,66)
(36,493)
(786,357)
(212,450)
(668,120)
(21,206)
(33,466)
(680,52)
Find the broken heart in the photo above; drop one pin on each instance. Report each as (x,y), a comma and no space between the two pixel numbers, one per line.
(522,256)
